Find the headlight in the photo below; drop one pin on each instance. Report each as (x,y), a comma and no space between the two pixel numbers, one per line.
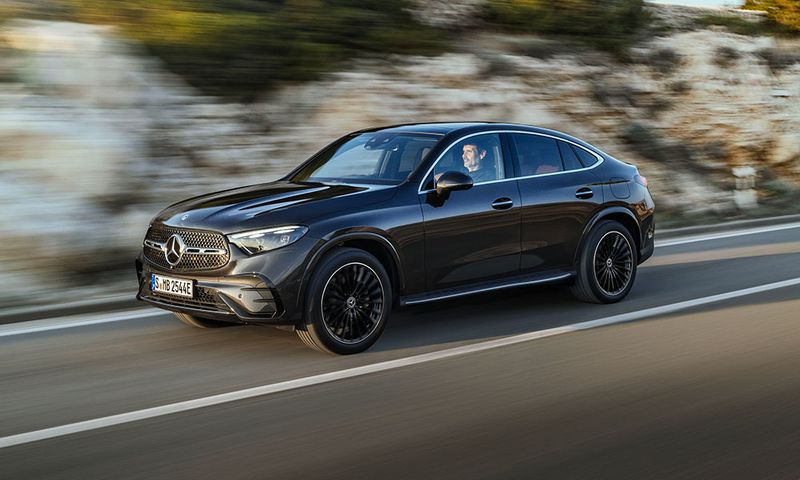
(257,241)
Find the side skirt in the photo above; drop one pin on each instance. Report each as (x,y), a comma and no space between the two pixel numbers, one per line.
(516,281)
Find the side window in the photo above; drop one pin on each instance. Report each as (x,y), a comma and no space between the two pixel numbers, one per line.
(536,154)
(571,161)
(587,159)
(480,156)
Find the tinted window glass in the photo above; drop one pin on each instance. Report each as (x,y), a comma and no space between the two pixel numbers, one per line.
(587,159)
(571,161)
(537,154)
(480,156)
(375,157)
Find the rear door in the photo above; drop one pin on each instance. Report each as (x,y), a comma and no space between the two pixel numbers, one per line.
(558,198)
(472,235)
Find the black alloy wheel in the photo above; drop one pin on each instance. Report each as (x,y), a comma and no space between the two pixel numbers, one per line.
(613,263)
(352,302)
(607,265)
(348,301)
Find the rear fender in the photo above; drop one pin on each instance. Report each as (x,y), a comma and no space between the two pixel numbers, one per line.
(618,213)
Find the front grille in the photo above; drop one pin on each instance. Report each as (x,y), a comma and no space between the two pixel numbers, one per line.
(192,239)
(204,298)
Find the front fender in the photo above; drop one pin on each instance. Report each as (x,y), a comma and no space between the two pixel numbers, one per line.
(335,239)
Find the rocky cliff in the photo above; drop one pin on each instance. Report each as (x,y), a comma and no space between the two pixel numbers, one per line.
(95,137)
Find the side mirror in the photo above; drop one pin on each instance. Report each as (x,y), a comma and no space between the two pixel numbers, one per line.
(451,181)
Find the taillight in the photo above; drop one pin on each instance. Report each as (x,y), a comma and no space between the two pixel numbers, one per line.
(640,180)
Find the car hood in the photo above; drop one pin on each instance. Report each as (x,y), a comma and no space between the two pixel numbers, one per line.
(276,203)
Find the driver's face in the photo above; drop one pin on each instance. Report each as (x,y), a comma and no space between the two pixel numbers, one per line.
(471,157)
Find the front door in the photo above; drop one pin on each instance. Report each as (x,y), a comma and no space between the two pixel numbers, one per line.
(472,235)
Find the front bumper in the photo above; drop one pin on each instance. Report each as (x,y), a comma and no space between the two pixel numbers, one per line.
(259,289)
(249,298)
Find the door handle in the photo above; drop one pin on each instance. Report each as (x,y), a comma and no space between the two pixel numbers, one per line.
(584,193)
(502,203)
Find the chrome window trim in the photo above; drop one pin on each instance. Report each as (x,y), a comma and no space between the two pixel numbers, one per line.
(596,164)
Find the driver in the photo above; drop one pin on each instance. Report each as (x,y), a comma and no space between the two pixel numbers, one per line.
(478,167)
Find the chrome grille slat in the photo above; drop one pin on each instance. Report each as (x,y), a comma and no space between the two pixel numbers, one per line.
(217,256)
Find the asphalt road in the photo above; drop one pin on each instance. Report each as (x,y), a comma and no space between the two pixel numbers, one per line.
(709,392)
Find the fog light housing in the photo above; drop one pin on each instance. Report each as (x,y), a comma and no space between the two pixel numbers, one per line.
(256,300)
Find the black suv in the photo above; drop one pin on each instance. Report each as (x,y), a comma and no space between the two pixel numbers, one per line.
(396,216)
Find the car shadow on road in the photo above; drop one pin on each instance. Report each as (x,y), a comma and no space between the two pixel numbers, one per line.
(526,309)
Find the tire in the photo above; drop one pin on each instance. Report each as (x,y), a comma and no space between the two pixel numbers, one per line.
(606,269)
(348,301)
(198,322)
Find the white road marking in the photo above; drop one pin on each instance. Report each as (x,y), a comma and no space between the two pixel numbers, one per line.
(717,236)
(263,390)
(27,310)
(35,326)
(73,321)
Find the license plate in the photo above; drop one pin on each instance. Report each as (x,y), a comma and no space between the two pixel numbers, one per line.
(171,286)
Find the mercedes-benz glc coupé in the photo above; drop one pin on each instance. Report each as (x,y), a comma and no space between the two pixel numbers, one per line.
(387,217)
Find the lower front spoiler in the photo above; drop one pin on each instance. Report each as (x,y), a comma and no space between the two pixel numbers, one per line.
(249,298)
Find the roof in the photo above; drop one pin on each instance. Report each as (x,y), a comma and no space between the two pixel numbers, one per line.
(444,128)
(439,128)
(457,128)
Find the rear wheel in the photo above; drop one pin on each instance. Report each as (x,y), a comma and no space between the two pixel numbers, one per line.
(349,299)
(198,322)
(607,265)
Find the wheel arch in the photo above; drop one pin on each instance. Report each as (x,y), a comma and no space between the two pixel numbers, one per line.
(618,213)
(376,244)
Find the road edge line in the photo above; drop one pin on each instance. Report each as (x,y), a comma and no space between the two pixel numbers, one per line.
(178,407)
(58,323)
(722,235)
(110,300)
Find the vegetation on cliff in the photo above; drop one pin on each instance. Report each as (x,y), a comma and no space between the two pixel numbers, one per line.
(782,12)
(607,24)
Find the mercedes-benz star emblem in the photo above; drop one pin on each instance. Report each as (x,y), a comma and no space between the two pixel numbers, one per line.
(173,249)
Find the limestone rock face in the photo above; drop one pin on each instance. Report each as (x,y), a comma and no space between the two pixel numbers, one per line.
(447,14)
(95,138)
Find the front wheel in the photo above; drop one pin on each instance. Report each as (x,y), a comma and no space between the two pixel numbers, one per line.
(349,299)
(607,265)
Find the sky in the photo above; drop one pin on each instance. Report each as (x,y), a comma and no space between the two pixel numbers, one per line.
(701,3)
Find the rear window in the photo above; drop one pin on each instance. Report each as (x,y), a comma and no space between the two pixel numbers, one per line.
(569,157)
(586,158)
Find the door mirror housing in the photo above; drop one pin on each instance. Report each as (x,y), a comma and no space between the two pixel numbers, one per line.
(451,181)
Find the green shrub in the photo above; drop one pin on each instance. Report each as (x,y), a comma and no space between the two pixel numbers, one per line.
(742,26)
(778,59)
(726,57)
(607,24)
(242,47)
(665,60)
(782,12)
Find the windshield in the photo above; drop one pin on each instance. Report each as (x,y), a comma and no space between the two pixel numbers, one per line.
(375,157)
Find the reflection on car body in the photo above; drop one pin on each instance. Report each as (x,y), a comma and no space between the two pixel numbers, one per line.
(403,215)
